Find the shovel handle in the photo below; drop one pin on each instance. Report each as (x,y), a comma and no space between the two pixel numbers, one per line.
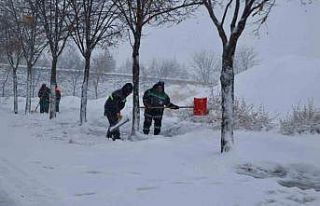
(186,107)
(180,107)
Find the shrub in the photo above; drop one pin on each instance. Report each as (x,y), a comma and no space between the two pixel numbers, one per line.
(247,116)
(303,119)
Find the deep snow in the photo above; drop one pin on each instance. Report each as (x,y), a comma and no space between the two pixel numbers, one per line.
(279,84)
(58,162)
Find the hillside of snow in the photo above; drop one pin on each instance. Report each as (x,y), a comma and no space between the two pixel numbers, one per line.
(281,83)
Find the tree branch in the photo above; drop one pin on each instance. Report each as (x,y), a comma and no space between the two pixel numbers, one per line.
(225,12)
(235,16)
(216,22)
(168,10)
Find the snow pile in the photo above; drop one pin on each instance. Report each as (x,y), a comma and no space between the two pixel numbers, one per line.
(281,83)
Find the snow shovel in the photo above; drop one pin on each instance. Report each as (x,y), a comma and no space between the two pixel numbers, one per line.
(199,107)
(114,127)
(35,110)
(119,124)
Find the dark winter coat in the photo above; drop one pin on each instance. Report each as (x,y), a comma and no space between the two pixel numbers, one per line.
(117,100)
(44,93)
(154,98)
(58,95)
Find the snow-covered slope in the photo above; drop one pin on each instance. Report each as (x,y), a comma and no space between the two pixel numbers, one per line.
(280,83)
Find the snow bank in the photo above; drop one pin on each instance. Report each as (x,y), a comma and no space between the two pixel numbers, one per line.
(280,83)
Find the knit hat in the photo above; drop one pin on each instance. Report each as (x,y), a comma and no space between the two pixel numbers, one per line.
(127,88)
(159,83)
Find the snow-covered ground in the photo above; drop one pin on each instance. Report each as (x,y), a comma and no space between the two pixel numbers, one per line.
(59,163)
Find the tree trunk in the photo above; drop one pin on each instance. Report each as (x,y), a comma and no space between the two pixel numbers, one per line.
(84,89)
(53,83)
(15,90)
(5,82)
(74,81)
(73,90)
(29,89)
(135,80)
(96,88)
(227,96)
(35,79)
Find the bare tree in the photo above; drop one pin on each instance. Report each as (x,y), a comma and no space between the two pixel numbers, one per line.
(36,77)
(33,38)
(25,16)
(5,71)
(4,81)
(102,63)
(206,65)
(236,13)
(12,46)
(53,14)
(92,22)
(72,60)
(14,55)
(245,58)
(166,68)
(125,67)
(43,62)
(137,14)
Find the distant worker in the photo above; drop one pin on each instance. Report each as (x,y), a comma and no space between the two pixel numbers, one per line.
(44,94)
(113,106)
(58,98)
(155,100)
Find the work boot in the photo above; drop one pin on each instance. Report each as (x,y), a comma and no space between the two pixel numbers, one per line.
(156,131)
(108,135)
(114,138)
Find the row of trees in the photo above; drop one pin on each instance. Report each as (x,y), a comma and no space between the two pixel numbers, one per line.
(207,65)
(203,66)
(27,26)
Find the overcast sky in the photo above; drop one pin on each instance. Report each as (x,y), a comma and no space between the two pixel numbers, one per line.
(292,29)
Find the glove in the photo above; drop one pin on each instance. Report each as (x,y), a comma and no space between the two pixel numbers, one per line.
(173,106)
(147,106)
(119,116)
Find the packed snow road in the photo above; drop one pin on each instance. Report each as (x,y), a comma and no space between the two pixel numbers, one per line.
(5,200)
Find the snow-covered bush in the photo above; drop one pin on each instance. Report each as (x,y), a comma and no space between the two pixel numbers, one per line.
(250,117)
(247,116)
(303,119)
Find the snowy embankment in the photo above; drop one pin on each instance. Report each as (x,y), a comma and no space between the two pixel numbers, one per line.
(59,163)
(279,84)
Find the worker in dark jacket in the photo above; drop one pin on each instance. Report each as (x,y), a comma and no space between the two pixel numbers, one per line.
(155,100)
(43,94)
(58,98)
(114,104)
